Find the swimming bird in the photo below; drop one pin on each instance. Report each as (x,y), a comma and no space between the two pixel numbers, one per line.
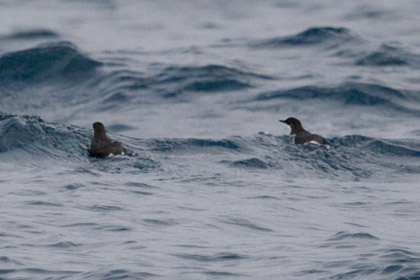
(101,145)
(302,136)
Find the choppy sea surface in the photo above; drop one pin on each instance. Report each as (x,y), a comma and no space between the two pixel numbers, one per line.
(211,186)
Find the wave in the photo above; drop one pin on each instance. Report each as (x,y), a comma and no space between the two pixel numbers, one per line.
(385,147)
(392,149)
(46,62)
(342,235)
(364,157)
(397,264)
(389,56)
(208,78)
(121,87)
(24,272)
(108,274)
(246,224)
(219,257)
(191,144)
(350,93)
(369,12)
(352,157)
(328,36)
(62,274)
(32,34)
(250,163)
(31,140)
(34,136)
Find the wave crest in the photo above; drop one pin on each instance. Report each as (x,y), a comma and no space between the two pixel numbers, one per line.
(34,136)
(328,36)
(389,56)
(46,62)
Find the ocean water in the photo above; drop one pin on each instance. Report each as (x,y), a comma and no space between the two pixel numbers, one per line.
(211,186)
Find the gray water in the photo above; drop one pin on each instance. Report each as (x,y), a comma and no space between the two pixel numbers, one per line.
(211,185)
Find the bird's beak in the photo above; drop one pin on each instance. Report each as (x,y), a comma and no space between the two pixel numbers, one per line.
(282,121)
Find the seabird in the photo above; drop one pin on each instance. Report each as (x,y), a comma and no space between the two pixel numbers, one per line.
(101,145)
(302,136)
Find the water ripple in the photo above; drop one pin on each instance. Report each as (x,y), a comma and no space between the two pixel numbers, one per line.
(246,224)
(220,257)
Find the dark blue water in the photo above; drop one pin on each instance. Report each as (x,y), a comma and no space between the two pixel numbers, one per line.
(211,185)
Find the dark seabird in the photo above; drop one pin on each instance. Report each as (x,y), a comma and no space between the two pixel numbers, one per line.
(302,136)
(101,145)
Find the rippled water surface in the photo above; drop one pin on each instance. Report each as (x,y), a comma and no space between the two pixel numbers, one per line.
(211,185)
